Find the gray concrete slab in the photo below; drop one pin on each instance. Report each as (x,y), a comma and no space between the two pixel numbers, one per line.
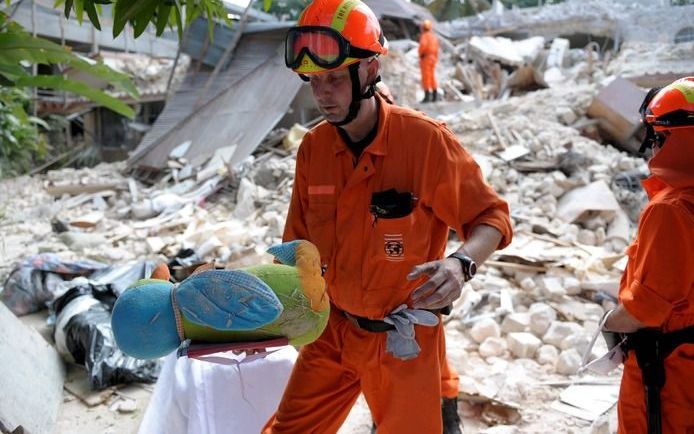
(31,378)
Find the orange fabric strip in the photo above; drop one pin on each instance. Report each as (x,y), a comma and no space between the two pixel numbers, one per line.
(321,189)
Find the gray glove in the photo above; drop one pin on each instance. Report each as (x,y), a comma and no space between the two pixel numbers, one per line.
(401,342)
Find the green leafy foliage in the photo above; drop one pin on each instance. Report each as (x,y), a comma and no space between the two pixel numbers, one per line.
(21,143)
(19,49)
(140,13)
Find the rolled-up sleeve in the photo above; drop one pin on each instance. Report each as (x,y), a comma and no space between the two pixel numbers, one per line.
(661,265)
(461,197)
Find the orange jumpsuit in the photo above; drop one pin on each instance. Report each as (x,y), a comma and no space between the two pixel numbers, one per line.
(658,286)
(428,56)
(330,207)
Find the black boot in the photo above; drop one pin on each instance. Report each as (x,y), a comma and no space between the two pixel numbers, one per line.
(434,95)
(427,97)
(449,413)
(373,428)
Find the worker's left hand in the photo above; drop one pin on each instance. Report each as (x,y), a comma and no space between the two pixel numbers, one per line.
(442,288)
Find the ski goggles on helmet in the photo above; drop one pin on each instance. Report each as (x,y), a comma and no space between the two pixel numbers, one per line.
(325,46)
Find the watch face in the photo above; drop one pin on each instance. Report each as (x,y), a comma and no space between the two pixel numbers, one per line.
(473,269)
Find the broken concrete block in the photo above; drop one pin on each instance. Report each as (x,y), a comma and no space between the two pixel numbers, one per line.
(579,341)
(552,287)
(593,312)
(515,323)
(541,316)
(600,236)
(294,137)
(492,347)
(557,52)
(617,108)
(79,241)
(571,285)
(547,355)
(592,198)
(528,284)
(566,116)
(523,345)
(558,331)
(586,236)
(569,361)
(484,329)
(32,378)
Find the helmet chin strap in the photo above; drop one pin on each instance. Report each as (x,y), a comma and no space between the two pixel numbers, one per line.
(357,96)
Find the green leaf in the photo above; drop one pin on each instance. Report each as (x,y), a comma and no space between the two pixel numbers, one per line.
(11,72)
(20,46)
(163,14)
(144,17)
(190,9)
(68,7)
(79,10)
(210,21)
(267,4)
(132,10)
(91,13)
(59,83)
(39,121)
(119,15)
(179,24)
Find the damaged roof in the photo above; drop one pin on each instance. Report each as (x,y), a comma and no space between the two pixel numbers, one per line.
(241,106)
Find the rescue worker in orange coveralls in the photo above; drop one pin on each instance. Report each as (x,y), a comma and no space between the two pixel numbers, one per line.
(450,380)
(657,290)
(377,188)
(428,56)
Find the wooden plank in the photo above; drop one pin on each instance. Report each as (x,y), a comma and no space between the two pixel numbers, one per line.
(59,190)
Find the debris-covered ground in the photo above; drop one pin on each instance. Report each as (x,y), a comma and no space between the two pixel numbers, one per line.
(518,334)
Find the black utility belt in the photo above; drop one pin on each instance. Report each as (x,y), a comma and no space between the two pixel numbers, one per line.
(658,343)
(379,326)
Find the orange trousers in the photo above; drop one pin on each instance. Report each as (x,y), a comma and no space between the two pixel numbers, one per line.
(404,395)
(427,65)
(677,396)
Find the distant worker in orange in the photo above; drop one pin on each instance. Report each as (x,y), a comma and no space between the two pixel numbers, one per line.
(428,56)
(656,310)
(377,189)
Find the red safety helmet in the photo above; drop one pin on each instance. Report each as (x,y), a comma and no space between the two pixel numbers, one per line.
(667,108)
(331,34)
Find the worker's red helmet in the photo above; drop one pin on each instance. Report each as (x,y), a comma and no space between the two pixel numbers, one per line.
(332,34)
(667,108)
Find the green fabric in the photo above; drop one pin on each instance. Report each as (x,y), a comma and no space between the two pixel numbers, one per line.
(298,322)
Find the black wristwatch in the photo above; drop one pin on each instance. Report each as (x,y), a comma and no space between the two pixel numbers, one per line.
(468,265)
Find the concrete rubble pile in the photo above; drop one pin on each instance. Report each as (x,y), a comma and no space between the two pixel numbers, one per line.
(487,68)
(638,59)
(518,333)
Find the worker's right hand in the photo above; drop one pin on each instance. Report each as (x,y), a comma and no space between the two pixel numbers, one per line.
(443,286)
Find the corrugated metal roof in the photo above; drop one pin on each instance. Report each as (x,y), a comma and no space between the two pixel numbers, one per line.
(241,106)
